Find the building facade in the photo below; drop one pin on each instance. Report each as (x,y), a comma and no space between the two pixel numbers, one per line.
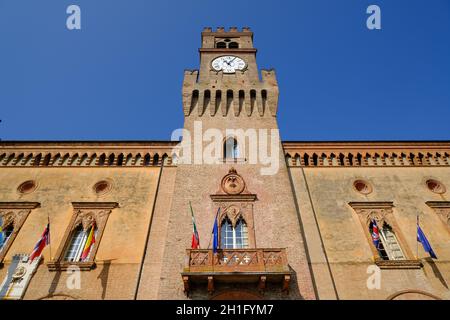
(296,220)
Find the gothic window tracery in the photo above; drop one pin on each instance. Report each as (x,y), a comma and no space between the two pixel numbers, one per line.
(233,237)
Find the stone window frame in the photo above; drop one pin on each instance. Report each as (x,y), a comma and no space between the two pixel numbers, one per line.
(442,209)
(382,211)
(85,213)
(15,213)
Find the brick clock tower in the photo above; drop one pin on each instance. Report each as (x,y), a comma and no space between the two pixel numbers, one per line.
(261,250)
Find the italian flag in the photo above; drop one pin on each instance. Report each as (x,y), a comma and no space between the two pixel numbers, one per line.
(89,243)
(195,238)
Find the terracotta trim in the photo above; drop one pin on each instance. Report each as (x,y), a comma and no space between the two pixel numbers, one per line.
(95,205)
(64,265)
(438,204)
(399,264)
(371,205)
(233,198)
(19,205)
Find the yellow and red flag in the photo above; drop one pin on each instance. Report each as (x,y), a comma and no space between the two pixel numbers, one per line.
(89,243)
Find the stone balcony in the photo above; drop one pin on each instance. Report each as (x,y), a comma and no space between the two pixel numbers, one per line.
(236,266)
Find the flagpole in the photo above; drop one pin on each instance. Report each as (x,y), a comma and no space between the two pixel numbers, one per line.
(417,237)
(215,218)
(193,224)
(50,240)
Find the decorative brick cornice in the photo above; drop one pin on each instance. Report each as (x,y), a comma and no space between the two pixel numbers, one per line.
(367,154)
(87,154)
(154,153)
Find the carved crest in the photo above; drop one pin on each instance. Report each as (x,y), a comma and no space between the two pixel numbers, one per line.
(233,183)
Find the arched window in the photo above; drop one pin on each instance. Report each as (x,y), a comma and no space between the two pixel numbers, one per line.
(233,238)
(221,45)
(233,45)
(81,244)
(7,232)
(231,149)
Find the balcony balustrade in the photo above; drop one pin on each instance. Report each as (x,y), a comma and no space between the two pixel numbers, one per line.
(236,265)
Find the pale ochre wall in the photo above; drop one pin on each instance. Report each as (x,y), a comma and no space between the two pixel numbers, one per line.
(346,246)
(123,242)
(124,236)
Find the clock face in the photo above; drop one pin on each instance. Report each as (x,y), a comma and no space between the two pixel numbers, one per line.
(228,64)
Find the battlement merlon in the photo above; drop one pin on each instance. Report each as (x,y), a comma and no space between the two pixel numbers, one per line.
(269,77)
(189,82)
(270,83)
(190,78)
(209,36)
(232,31)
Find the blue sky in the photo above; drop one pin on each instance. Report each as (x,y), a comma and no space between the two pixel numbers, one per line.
(119,78)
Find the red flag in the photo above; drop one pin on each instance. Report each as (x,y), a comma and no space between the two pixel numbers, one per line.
(40,245)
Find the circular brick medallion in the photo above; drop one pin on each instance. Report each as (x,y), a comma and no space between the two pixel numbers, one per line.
(362,186)
(27,187)
(102,187)
(435,186)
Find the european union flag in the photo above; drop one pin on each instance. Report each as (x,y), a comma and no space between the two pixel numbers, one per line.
(426,245)
(216,233)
